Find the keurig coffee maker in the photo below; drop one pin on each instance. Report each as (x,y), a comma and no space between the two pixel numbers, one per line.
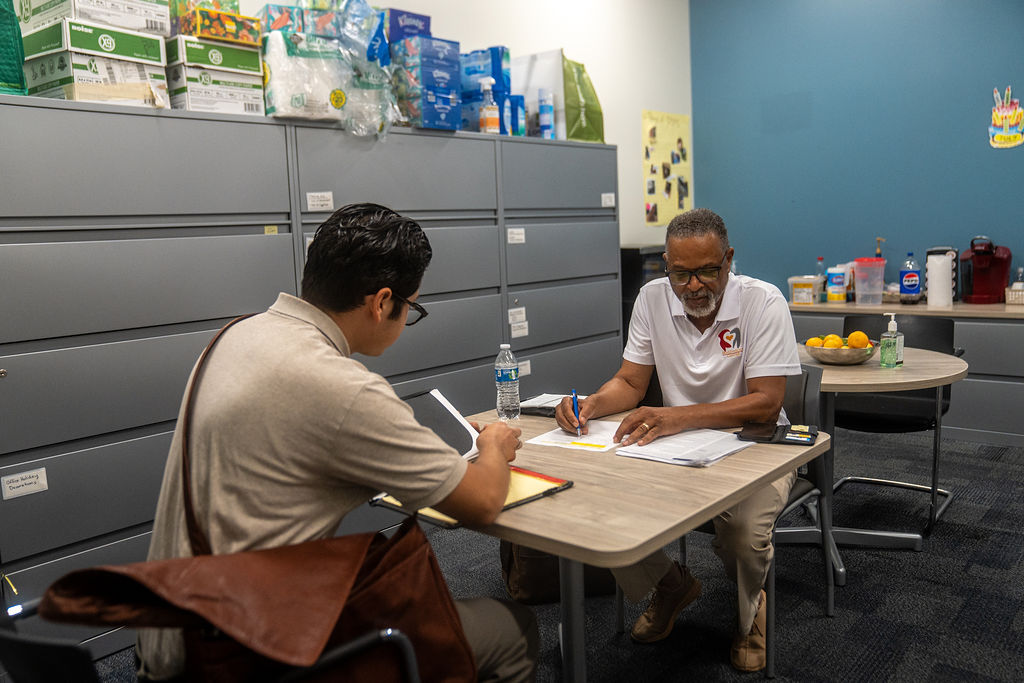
(984,272)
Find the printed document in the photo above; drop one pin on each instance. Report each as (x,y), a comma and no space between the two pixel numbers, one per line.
(598,439)
(696,448)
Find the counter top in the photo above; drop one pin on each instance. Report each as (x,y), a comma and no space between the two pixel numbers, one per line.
(958,310)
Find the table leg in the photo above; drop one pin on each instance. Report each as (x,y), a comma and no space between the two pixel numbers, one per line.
(933,510)
(571,628)
(825,506)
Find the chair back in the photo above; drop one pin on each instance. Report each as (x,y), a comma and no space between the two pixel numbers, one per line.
(802,401)
(899,411)
(29,659)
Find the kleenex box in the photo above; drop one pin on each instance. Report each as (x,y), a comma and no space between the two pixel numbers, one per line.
(412,50)
(400,24)
(410,80)
(433,109)
(281,18)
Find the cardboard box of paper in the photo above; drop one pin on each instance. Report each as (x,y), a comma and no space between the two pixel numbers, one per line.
(203,75)
(78,60)
(148,16)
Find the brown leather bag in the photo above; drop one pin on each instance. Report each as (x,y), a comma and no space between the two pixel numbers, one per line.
(250,616)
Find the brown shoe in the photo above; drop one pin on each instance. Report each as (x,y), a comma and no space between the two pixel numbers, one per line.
(749,651)
(677,589)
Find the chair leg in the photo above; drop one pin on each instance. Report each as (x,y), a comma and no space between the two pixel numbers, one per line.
(769,634)
(620,612)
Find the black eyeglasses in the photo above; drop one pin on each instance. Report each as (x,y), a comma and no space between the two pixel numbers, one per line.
(416,312)
(704,275)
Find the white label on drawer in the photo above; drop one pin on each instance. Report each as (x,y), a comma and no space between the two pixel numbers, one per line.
(319,201)
(524,368)
(520,330)
(517,315)
(24,483)
(607,200)
(517,235)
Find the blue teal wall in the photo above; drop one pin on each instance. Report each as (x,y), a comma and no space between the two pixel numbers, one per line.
(820,124)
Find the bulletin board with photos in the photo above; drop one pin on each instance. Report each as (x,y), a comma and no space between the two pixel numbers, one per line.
(667,167)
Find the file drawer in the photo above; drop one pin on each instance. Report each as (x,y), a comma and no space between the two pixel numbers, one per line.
(54,396)
(409,172)
(555,314)
(74,162)
(991,348)
(69,288)
(464,258)
(470,390)
(556,251)
(456,330)
(584,367)
(544,175)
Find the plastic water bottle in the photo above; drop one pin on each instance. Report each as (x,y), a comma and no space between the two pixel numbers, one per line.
(506,379)
(546,113)
(910,280)
(819,270)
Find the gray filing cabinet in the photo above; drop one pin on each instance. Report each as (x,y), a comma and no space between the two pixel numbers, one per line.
(129,236)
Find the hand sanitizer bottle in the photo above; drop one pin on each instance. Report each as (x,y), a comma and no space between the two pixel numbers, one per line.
(891,343)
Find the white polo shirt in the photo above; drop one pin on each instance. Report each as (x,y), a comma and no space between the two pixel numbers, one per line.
(752,336)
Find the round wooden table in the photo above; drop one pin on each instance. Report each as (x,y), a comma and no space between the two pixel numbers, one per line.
(921,369)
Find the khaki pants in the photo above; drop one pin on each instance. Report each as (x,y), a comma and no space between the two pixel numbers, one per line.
(742,541)
(503,638)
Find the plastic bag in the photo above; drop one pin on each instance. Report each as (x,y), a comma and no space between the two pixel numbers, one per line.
(584,119)
(12,55)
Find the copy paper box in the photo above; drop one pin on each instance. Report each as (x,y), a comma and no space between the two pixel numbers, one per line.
(202,89)
(210,54)
(70,75)
(149,16)
(217,25)
(70,35)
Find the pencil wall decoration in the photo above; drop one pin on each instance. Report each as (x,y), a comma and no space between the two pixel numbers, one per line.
(1007,127)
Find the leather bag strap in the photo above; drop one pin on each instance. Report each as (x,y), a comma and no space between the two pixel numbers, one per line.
(197,539)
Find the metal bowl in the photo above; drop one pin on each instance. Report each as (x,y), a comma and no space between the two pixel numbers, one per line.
(841,356)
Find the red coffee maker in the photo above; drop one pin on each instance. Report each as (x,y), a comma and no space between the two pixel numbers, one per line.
(984,272)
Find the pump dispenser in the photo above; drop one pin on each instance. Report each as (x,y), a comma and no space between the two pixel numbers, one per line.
(488,108)
(891,345)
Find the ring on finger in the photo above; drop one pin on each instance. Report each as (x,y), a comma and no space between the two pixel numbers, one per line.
(646,427)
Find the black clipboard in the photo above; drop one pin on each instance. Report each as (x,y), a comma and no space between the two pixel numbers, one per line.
(524,486)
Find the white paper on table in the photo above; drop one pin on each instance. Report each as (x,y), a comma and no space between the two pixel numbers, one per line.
(696,448)
(598,439)
(542,401)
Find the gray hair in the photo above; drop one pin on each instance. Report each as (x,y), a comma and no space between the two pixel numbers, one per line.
(697,223)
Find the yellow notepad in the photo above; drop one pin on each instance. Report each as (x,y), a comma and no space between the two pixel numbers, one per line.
(523,486)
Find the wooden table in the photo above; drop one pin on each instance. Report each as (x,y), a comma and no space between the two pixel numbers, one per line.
(621,509)
(921,370)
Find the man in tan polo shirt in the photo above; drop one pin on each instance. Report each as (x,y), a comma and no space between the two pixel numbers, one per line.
(289,433)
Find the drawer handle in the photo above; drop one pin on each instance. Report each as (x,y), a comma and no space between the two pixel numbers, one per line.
(3,373)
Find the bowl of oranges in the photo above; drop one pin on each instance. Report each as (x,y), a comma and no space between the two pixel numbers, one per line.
(835,350)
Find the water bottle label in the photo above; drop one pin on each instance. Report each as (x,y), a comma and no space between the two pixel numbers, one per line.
(506,374)
(910,282)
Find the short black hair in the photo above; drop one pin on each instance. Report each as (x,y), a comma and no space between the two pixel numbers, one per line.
(696,223)
(360,249)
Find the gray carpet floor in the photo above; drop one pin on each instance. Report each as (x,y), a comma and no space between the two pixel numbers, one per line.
(954,612)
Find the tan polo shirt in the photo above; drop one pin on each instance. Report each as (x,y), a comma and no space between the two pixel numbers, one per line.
(289,434)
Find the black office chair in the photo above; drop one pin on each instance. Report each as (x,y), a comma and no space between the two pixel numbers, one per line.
(35,659)
(902,411)
(802,403)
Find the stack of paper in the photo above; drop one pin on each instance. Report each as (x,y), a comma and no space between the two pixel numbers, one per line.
(696,448)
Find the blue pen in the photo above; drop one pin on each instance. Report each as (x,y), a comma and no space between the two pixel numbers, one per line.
(576,412)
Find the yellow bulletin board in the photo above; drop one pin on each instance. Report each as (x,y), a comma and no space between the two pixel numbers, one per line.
(667,169)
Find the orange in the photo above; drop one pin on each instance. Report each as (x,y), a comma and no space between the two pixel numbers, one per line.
(814,341)
(832,341)
(844,346)
(858,340)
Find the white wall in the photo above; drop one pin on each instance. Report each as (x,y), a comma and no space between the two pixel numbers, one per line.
(637,55)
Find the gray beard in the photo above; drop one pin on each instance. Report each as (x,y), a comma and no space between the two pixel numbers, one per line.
(703,311)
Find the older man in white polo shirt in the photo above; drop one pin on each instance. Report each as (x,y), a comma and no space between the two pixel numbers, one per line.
(723,345)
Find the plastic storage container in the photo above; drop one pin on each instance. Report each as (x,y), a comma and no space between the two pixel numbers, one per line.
(804,289)
(870,279)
